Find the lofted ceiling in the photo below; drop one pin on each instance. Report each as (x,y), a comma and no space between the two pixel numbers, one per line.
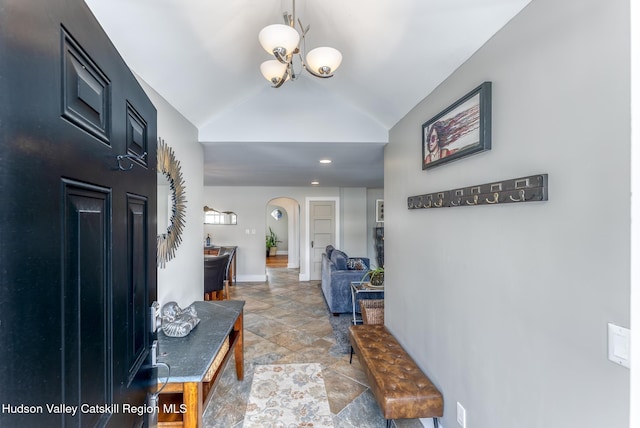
(203,57)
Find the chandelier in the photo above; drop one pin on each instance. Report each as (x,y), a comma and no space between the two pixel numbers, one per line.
(283,42)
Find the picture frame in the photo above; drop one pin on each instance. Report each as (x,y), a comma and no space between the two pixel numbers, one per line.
(460,130)
(379,210)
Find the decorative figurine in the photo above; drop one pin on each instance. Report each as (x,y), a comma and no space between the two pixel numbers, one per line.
(178,322)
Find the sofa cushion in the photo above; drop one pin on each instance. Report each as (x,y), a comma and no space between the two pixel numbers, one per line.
(329,250)
(339,259)
(356,264)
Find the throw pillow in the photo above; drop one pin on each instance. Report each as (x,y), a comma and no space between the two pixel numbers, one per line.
(356,264)
(339,259)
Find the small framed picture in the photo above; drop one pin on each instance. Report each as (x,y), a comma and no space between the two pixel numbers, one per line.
(460,130)
(380,210)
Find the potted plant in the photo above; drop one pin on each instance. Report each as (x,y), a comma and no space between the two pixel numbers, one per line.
(376,276)
(272,243)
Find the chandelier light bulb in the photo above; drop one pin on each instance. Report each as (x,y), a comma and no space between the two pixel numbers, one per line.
(273,37)
(273,69)
(324,60)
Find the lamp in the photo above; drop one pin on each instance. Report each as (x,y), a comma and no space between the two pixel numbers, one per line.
(283,42)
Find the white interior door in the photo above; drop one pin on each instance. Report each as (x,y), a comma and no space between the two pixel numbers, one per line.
(321,232)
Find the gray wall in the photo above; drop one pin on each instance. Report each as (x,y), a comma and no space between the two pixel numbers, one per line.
(354,224)
(506,307)
(182,278)
(635,213)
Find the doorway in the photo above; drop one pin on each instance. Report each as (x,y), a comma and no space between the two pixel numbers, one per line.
(282,219)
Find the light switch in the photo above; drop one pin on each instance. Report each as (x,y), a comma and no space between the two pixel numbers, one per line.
(619,345)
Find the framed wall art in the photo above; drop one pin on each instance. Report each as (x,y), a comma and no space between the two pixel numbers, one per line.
(460,130)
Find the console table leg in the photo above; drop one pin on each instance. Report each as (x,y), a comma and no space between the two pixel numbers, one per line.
(192,398)
(239,348)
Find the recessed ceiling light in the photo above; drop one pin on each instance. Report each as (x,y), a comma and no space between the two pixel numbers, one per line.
(315,183)
(325,160)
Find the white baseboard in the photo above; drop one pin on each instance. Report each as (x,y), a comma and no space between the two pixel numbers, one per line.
(251,278)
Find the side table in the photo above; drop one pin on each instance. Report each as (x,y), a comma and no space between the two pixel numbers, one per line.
(361,289)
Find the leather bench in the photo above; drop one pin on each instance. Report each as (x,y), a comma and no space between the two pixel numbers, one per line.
(401,389)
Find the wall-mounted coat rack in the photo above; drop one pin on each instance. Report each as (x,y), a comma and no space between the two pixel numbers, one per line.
(524,189)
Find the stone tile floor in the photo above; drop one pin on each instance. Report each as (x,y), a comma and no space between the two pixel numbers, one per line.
(286,321)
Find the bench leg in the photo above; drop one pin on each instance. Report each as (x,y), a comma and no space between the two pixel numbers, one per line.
(351,356)
(435,423)
(389,421)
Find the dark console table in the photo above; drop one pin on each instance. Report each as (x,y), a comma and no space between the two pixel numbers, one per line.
(197,361)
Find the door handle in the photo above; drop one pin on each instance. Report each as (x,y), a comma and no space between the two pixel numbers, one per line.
(156,320)
(311,244)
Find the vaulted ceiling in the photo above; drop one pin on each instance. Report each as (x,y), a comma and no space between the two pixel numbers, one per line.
(203,57)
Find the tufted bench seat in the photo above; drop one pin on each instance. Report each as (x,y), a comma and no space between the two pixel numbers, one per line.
(398,384)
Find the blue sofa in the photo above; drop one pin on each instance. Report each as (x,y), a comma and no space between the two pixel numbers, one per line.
(338,270)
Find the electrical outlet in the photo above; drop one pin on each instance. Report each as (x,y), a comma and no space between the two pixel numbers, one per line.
(461,416)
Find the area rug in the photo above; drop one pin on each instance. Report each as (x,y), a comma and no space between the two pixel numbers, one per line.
(288,396)
(340,325)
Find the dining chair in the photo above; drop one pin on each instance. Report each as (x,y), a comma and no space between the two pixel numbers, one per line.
(231,251)
(215,268)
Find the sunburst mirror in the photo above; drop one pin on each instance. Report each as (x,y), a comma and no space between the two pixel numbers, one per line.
(169,167)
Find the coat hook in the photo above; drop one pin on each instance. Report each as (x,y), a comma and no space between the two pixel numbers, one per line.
(521,197)
(475,200)
(495,199)
(131,158)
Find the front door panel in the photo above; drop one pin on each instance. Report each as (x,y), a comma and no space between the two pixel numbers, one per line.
(137,290)
(86,298)
(77,247)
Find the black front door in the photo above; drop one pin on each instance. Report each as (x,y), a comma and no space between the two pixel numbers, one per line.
(77,232)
